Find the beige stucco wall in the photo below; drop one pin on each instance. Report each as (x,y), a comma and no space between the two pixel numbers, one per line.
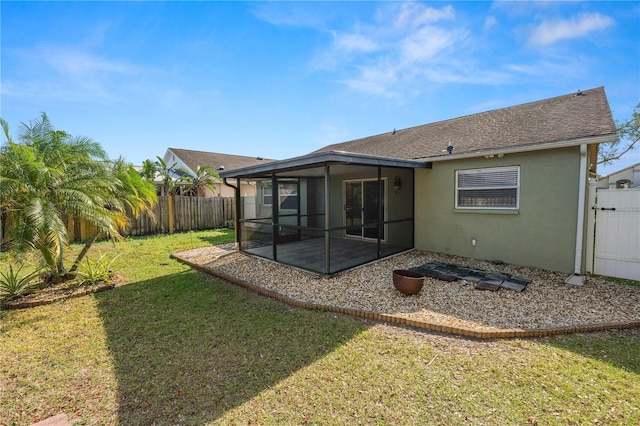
(630,173)
(222,190)
(542,233)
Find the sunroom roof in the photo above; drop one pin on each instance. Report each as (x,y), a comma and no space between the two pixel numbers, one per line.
(321,159)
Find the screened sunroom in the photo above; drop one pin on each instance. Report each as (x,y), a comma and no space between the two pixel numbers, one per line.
(325,212)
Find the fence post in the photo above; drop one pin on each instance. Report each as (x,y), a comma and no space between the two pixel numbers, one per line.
(170,210)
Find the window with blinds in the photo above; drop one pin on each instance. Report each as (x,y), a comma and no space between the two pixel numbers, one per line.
(495,188)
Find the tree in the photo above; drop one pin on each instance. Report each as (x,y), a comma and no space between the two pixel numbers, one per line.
(628,134)
(171,176)
(148,171)
(170,181)
(205,178)
(132,192)
(49,176)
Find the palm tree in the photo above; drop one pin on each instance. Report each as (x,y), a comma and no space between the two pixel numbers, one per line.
(50,175)
(148,170)
(170,181)
(132,193)
(171,176)
(205,178)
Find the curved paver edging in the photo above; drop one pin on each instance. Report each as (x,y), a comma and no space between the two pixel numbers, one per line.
(393,319)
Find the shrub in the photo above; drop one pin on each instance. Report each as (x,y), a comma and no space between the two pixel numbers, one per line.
(12,285)
(95,271)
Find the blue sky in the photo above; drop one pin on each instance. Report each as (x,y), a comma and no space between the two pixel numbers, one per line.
(281,79)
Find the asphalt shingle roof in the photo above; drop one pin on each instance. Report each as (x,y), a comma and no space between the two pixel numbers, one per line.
(560,119)
(194,159)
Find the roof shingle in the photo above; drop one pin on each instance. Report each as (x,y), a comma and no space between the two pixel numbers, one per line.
(561,119)
(194,159)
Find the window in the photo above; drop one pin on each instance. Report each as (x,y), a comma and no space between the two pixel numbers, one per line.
(267,195)
(287,195)
(495,188)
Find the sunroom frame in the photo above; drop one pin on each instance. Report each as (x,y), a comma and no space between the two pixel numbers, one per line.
(319,166)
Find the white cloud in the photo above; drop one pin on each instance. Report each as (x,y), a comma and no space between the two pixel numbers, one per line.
(467,74)
(416,14)
(290,14)
(354,42)
(406,49)
(428,42)
(490,22)
(387,56)
(377,79)
(74,74)
(77,63)
(549,32)
(575,67)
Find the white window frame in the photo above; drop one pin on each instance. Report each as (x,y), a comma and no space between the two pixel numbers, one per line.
(265,195)
(493,187)
(280,195)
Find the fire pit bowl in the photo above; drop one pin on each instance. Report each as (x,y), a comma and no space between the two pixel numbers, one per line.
(407,282)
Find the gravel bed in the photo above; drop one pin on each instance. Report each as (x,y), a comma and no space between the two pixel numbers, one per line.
(547,302)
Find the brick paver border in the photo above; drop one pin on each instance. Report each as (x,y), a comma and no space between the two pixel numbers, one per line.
(393,319)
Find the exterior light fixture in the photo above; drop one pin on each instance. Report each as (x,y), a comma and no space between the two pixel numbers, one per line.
(397,183)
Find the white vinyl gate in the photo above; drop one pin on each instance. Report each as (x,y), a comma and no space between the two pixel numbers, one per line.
(617,234)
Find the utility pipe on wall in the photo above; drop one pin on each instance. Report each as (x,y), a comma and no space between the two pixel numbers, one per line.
(581,209)
(327,220)
(236,219)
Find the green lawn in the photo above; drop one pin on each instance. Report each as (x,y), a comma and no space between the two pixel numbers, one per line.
(175,346)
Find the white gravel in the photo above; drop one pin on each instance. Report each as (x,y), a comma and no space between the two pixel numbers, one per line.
(546,303)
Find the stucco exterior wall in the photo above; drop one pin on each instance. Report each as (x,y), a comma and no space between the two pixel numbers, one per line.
(541,233)
(222,190)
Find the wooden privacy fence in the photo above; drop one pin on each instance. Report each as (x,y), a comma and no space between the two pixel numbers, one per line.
(189,214)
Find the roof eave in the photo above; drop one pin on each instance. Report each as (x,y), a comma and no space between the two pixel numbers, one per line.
(323,158)
(525,148)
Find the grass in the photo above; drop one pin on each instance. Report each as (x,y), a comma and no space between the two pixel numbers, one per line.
(619,280)
(175,346)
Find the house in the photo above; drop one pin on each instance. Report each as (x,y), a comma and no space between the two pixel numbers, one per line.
(628,177)
(190,160)
(508,185)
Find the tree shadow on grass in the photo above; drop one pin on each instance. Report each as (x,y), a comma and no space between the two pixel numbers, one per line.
(189,347)
(222,236)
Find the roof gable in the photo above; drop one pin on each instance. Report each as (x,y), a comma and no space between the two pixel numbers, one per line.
(562,119)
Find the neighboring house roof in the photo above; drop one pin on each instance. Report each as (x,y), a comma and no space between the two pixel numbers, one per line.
(629,177)
(561,121)
(626,169)
(193,159)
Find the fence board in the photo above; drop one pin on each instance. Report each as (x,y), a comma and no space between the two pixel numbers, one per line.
(190,213)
